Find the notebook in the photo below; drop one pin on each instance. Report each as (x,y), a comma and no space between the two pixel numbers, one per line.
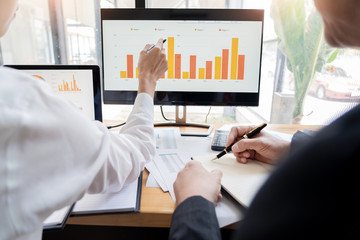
(58,218)
(241,181)
(127,200)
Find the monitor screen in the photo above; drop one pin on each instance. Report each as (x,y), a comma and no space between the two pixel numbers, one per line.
(79,84)
(214,55)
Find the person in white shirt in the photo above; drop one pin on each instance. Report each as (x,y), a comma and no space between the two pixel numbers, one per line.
(51,154)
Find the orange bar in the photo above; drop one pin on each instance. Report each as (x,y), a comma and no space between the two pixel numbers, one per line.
(177,66)
(201,73)
(217,67)
(234,57)
(122,74)
(75,86)
(241,67)
(192,67)
(225,64)
(170,57)
(137,72)
(208,70)
(185,75)
(130,66)
(163,76)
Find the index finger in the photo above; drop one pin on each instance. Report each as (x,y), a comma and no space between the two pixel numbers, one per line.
(159,43)
(236,133)
(147,46)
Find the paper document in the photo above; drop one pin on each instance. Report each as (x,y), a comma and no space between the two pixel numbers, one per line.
(151,182)
(169,166)
(228,212)
(166,139)
(154,172)
(126,200)
(166,143)
(241,181)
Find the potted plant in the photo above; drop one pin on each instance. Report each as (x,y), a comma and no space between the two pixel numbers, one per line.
(299,28)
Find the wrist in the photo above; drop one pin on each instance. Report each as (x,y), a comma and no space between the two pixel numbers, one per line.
(146,85)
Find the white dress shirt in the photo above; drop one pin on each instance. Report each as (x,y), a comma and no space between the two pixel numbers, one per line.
(51,154)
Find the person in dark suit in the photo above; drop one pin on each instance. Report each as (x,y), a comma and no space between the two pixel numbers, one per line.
(315,190)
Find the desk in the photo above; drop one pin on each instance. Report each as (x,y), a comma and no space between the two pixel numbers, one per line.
(156,207)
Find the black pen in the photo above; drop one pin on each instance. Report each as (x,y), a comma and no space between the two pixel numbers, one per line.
(154,46)
(247,135)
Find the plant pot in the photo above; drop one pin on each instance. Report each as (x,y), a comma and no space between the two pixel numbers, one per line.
(282,108)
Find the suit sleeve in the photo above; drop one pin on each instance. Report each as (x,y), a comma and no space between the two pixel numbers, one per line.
(314,192)
(195,218)
(300,139)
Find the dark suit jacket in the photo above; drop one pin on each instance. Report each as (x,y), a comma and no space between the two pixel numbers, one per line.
(314,193)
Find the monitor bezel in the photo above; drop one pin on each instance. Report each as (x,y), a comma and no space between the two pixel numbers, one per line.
(185,98)
(97,91)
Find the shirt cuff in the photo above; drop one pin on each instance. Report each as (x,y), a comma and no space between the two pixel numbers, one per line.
(144,103)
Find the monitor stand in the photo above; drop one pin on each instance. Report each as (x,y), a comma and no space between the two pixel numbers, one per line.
(181,122)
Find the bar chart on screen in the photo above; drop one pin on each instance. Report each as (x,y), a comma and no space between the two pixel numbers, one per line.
(66,87)
(75,86)
(220,63)
(202,55)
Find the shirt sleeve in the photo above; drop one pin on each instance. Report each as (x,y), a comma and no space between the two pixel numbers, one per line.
(129,150)
(195,218)
(52,154)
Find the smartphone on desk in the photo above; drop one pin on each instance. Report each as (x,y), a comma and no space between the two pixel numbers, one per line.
(219,140)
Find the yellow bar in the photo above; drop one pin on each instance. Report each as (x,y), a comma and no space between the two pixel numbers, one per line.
(217,67)
(201,73)
(171,57)
(234,57)
(122,74)
(137,72)
(185,75)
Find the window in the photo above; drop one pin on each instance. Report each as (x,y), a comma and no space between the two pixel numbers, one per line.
(28,40)
(333,91)
(68,32)
(80,28)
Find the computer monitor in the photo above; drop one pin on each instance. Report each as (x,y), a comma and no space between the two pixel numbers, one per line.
(78,83)
(214,55)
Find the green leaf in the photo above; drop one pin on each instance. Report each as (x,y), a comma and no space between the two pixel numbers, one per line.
(333,56)
(301,40)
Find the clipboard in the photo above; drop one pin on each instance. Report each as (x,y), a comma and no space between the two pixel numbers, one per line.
(127,200)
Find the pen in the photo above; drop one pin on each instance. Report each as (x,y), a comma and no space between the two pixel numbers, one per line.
(153,46)
(247,135)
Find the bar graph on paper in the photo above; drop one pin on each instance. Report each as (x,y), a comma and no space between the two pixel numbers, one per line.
(202,56)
